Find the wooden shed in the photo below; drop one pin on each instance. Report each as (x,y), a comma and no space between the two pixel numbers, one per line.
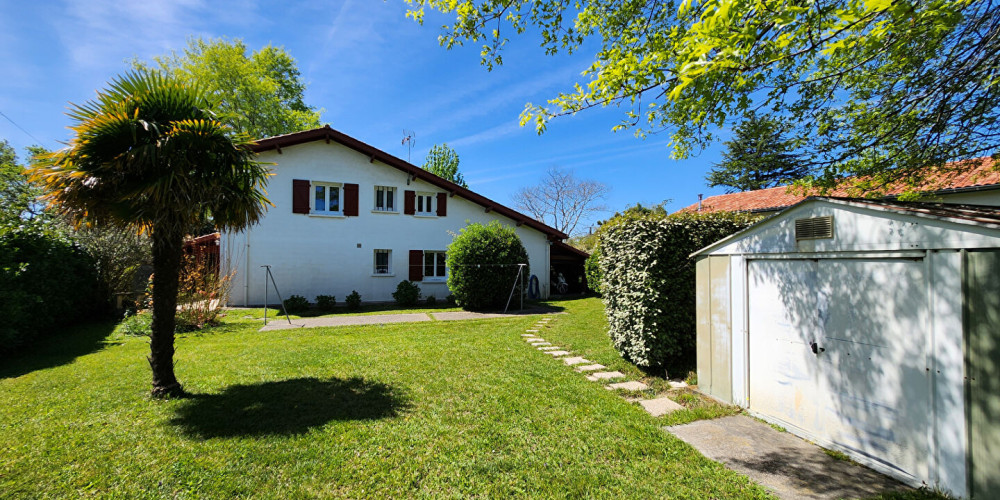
(868,327)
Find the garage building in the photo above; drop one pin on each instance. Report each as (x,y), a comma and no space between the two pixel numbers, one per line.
(869,327)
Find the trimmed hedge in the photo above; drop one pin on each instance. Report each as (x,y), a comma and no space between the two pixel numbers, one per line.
(648,282)
(482,265)
(407,293)
(46,281)
(592,269)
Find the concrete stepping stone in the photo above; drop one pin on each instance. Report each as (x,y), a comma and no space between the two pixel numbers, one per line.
(677,385)
(660,406)
(534,339)
(575,361)
(536,344)
(532,331)
(605,376)
(631,385)
(528,335)
(559,353)
(550,348)
(590,368)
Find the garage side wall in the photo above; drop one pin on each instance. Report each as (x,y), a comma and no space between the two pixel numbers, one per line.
(714,327)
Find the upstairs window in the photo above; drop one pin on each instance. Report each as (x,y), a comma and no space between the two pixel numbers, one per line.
(425,204)
(383,262)
(326,198)
(385,199)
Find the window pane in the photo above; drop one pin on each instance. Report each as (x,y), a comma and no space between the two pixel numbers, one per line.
(389,195)
(428,264)
(378,199)
(440,263)
(334,199)
(420,203)
(320,198)
(381,262)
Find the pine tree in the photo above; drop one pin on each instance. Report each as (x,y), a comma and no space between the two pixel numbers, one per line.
(757,157)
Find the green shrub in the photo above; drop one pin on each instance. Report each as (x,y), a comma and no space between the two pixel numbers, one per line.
(483,263)
(135,325)
(592,269)
(450,299)
(46,281)
(431,300)
(353,300)
(407,293)
(296,304)
(325,302)
(648,282)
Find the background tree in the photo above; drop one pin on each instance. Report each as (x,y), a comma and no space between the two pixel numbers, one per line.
(260,94)
(442,161)
(561,200)
(17,194)
(757,157)
(149,154)
(875,89)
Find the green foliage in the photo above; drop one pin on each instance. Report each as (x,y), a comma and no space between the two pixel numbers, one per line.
(260,94)
(353,300)
(648,282)
(138,324)
(296,304)
(483,263)
(17,194)
(757,157)
(46,281)
(118,254)
(450,299)
(407,293)
(431,300)
(586,242)
(325,303)
(592,270)
(881,88)
(442,161)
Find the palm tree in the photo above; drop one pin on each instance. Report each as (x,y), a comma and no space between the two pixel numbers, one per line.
(149,155)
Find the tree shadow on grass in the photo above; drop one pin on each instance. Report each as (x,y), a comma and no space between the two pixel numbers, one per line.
(285,407)
(57,349)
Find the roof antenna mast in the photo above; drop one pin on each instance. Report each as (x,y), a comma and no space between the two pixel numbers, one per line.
(409,140)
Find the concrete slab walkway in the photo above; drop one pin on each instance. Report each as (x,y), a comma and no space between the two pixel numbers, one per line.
(280,323)
(780,461)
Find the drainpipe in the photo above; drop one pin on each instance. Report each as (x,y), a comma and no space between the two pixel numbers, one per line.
(699,202)
(246,273)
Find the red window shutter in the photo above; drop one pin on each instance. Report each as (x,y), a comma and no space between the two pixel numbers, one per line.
(351,200)
(416,263)
(409,202)
(300,196)
(442,204)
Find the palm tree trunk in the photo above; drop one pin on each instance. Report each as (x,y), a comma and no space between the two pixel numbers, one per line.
(167,250)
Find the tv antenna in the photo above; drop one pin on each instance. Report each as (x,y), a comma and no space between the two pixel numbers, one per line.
(409,140)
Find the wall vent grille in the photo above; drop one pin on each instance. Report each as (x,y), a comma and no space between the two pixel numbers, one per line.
(814,228)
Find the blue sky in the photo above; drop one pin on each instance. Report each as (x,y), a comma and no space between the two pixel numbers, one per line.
(372,71)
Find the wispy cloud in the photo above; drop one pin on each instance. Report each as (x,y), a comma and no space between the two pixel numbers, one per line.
(491,134)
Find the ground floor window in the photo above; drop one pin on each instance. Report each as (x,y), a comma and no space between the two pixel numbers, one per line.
(383,262)
(434,265)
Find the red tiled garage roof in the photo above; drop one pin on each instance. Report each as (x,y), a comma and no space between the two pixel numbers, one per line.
(981,174)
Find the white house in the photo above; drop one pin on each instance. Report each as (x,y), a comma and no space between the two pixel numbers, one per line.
(348,216)
(870,327)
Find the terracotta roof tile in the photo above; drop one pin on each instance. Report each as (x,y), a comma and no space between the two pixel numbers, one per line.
(980,173)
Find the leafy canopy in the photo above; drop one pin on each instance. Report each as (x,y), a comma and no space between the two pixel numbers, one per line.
(17,193)
(260,94)
(757,157)
(873,88)
(442,161)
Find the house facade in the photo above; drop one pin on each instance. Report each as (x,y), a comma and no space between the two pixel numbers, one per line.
(865,326)
(349,217)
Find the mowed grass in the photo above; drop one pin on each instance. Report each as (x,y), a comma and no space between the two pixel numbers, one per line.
(434,409)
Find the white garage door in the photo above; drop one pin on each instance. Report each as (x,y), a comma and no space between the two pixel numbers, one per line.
(866,387)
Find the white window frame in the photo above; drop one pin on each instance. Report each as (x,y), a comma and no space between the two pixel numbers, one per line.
(375,269)
(327,186)
(385,208)
(433,277)
(429,208)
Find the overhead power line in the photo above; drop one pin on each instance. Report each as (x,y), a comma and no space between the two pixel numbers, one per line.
(37,140)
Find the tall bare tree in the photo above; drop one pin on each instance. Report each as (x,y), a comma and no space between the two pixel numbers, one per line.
(561,200)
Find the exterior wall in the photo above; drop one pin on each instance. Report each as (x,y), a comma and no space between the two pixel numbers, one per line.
(861,234)
(989,197)
(312,255)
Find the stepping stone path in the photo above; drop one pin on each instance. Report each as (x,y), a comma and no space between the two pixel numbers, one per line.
(605,376)
(659,406)
(631,385)
(656,407)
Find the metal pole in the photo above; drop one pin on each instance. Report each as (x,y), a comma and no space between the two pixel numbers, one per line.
(280,300)
(267,272)
(513,287)
(519,273)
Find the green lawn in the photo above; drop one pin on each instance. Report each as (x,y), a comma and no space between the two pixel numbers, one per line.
(434,409)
